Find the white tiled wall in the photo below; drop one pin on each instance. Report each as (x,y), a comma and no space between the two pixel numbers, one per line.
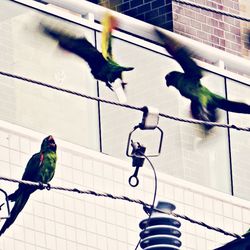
(60,220)
(186,154)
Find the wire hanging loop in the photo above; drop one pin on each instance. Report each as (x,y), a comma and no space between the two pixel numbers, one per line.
(7,205)
(150,121)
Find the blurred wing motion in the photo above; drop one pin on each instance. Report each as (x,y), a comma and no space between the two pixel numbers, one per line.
(102,65)
(40,168)
(181,55)
(80,47)
(204,103)
(232,106)
(109,23)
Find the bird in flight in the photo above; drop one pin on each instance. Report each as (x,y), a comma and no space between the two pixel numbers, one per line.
(204,103)
(102,65)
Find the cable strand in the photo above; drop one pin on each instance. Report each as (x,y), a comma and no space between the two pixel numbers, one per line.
(124,198)
(193,121)
(154,197)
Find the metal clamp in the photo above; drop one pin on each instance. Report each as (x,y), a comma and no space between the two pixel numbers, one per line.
(137,162)
(150,118)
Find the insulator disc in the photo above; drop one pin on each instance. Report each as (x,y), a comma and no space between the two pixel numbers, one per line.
(158,230)
(160,221)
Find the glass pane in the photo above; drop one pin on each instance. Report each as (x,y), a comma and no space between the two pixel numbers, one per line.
(185,152)
(240,141)
(27,52)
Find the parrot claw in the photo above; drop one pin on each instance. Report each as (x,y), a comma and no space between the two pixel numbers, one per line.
(109,86)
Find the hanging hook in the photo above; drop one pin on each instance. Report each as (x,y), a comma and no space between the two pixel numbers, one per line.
(137,162)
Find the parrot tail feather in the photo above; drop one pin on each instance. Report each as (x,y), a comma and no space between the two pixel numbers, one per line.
(231,106)
(14,196)
(19,205)
(127,68)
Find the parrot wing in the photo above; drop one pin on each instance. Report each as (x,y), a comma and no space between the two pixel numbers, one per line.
(181,55)
(232,106)
(33,166)
(30,174)
(79,46)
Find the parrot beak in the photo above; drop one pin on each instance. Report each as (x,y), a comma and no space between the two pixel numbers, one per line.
(167,82)
(51,139)
(52,142)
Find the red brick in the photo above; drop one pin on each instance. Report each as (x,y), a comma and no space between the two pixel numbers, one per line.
(203,35)
(183,19)
(236,6)
(218,47)
(207,28)
(230,36)
(195,24)
(191,31)
(217,16)
(219,33)
(229,20)
(238,39)
(215,39)
(175,16)
(200,17)
(236,46)
(189,13)
(235,30)
(222,42)
(179,27)
(228,3)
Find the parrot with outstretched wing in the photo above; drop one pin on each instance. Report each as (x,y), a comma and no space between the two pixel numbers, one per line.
(102,65)
(40,168)
(204,103)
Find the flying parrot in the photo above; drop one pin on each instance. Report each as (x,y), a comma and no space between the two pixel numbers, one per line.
(40,168)
(102,65)
(204,103)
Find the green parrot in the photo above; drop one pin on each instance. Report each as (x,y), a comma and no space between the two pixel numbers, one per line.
(40,168)
(204,103)
(102,65)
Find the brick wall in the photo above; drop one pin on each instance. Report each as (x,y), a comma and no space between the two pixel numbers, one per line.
(157,12)
(213,29)
(219,31)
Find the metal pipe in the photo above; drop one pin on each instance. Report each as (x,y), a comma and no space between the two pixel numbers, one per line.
(145,30)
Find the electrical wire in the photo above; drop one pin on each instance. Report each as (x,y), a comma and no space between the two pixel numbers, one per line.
(43,186)
(203,7)
(193,121)
(154,197)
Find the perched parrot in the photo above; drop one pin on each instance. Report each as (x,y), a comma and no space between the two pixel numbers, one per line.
(102,65)
(204,103)
(40,168)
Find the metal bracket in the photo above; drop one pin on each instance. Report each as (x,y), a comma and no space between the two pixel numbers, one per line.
(150,121)
(150,155)
(150,118)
